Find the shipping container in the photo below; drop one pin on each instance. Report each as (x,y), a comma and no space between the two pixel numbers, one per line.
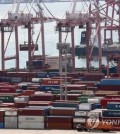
(30,125)
(11,122)
(6,98)
(62,111)
(86,106)
(31,119)
(79,120)
(59,119)
(41,74)
(48,87)
(62,126)
(111,113)
(113,106)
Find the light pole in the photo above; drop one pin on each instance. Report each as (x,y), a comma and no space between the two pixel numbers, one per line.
(63,47)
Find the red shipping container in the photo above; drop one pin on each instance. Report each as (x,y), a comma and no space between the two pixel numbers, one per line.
(52,82)
(105,101)
(21,104)
(7,90)
(28,92)
(113,96)
(7,105)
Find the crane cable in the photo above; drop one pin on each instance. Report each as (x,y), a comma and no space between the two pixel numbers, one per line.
(8,42)
(36,41)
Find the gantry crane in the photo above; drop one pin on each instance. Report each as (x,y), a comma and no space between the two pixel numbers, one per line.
(15,20)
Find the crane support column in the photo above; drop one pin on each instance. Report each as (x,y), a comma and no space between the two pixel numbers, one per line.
(43,43)
(2,48)
(73,46)
(29,45)
(87,46)
(17,48)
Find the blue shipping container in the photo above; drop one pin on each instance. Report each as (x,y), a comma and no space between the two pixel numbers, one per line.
(65,104)
(114,106)
(110,82)
(52,74)
(1,125)
(48,87)
(111,113)
(42,75)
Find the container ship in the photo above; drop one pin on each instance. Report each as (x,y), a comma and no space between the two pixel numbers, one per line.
(37,98)
(108,48)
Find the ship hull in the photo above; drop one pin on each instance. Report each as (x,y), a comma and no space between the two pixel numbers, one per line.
(81,51)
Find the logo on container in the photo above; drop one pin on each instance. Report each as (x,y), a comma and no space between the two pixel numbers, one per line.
(93,121)
(111,121)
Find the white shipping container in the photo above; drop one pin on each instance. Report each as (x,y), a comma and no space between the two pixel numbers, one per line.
(11,125)
(10,119)
(30,125)
(93,100)
(11,112)
(85,106)
(21,99)
(31,118)
(93,114)
(88,92)
(79,120)
(81,113)
(36,80)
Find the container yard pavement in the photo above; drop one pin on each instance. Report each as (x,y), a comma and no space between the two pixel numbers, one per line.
(25,131)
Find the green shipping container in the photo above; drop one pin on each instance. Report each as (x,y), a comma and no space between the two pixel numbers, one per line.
(83,99)
(7,98)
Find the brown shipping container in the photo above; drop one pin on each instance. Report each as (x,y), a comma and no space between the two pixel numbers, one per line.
(110,88)
(75,87)
(1,119)
(59,119)
(58,125)
(31,112)
(62,77)
(10,105)
(2,113)
(87,83)
(73,81)
(73,75)
(42,97)
(93,76)
(40,103)
(65,111)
